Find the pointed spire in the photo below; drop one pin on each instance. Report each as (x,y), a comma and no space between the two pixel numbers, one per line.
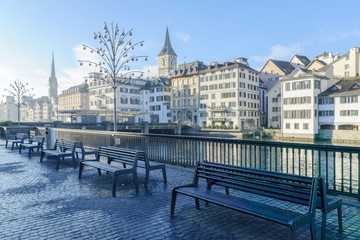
(167,48)
(53,76)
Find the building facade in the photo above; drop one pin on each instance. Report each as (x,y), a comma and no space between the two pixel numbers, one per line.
(339,106)
(155,101)
(348,65)
(101,97)
(299,94)
(229,95)
(76,97)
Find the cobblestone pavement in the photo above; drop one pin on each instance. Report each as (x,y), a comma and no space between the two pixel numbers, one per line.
(38,202)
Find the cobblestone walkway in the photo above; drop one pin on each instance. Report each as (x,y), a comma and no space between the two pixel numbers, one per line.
(37,202)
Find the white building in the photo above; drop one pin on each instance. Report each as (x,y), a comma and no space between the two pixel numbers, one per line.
(299,94)
(155,101)
(273,98)
(229,94)
(101,97)
(339,106)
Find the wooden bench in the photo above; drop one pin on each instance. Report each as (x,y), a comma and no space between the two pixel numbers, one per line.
(17,139)
(289,188)
(323,202)
(121,155)
(36,142)
(63,148)
(145,163)
(83,151)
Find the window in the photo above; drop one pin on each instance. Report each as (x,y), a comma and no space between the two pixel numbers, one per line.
(296,126)
(287,86)
(347,66)
(305,126)
(152,99)
(287,125)
(347,74)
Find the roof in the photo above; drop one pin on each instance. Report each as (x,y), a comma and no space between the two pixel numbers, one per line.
(167,48)
(161,81)
(303,59)
(284,66)
(344,87)
(230,64)
(188,68)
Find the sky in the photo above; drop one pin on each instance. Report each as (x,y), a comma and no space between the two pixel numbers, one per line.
(199,30)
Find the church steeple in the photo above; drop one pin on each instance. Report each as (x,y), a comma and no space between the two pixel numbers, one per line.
(53,85)
(167,57)
(167,48)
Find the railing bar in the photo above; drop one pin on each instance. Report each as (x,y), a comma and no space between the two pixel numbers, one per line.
(293,160)
(334,170)
(306,168)
(327,170)
(312,162)
(287,160)
(270,158)
(342,171)
(255,155)
(237,154)
(350,162)
(319,163)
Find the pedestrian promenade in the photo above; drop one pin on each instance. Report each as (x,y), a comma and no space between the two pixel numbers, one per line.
(38,202)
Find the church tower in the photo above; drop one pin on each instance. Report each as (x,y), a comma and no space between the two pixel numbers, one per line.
(53,85)
(167,58)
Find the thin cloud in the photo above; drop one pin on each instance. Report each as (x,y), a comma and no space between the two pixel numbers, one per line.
(185,37)
(279,52)
(340,35)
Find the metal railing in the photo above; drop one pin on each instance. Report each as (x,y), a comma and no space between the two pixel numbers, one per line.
(339,165)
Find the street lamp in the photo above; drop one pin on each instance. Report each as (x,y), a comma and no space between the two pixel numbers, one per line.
(18,91)
(115,55)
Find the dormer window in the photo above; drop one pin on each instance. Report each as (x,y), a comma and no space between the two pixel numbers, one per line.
(355,86)
(334,88)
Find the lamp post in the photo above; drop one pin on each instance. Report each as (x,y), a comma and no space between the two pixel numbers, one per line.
(18,91)
(114,54)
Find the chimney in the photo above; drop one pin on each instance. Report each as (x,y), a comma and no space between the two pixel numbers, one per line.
(242,61)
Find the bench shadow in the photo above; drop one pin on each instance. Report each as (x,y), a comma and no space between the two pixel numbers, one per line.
(15,167)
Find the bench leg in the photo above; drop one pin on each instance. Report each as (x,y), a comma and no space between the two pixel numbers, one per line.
(20,148)
(114,185)
(339,210)
(80,169)
(74,160)
(136,181)
(291,233)
(6,143)
(197,203)
(57,162)
(146,177)
(99,171)
(30,150)
(12,146)
(313,230)
(164,175)
(323,225)
(41,156)
(173,202)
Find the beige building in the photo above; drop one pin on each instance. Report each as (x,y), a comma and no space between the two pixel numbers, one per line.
(348,65)
(185,93)
(74,98)
(229,95)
